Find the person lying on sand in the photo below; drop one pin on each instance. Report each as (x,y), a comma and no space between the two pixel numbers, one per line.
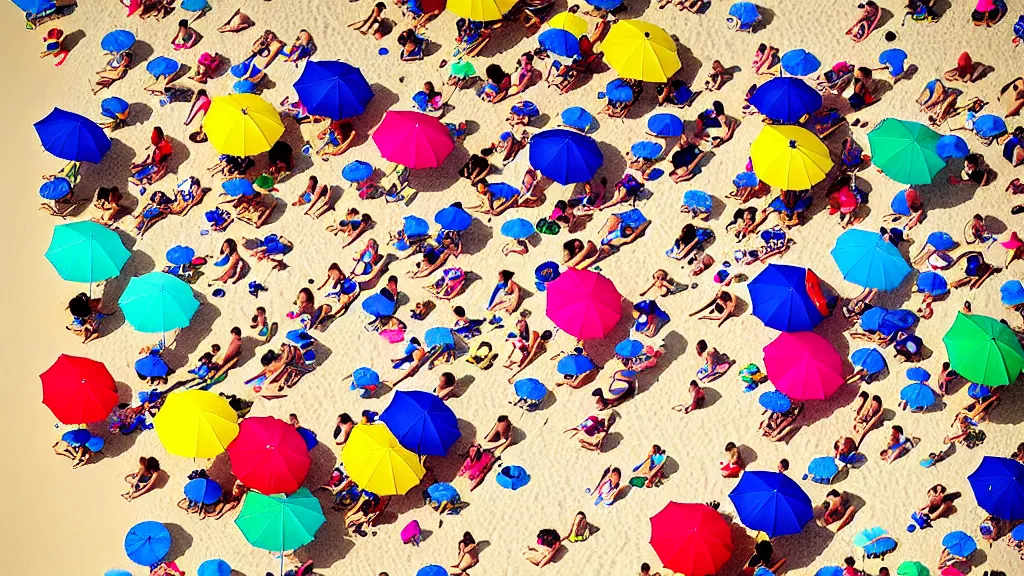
(837,509)
(236,23)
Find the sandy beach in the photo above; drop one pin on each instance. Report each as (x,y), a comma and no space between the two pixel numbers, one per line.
(73,521)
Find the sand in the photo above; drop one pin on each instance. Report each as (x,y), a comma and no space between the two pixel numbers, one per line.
(73,521)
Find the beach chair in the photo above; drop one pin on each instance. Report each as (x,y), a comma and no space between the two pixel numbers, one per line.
(449,284)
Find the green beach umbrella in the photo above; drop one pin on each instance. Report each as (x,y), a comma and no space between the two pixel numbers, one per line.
(983,350)
(912,568)
(278,522)
(158,302)
(905,151)
(86,252)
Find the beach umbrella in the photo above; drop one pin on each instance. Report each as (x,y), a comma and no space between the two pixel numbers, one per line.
(617,91)
(518,228)
(195,6)
(578,118)
(983,350)
(565,156)
(940,240)
(512,477)
(977,391)
(413,139)
(789,157)
(439,336)
(357,171)
(214,567)
(584,304)
(86,252)
(1018,533)
(932,283)
(178,255)
(78,390)
(152,366)
(463,69)
(905,151)
(378,305)
(772,503)
(277,522)
(414,226)
(692,539)
(442,492)
(269,455)
(774,401)
(72,137)
(607,5)
(646,150)
(800,62)
(365,377)
(989,126)
(829,571)
(998,485)
(117,41)
(242,125)
(33,6)
(823,467)
(530,389)
(162,66)
(875,541)
(376,461)
(918,374)
(432,570)
(196,424)
(236,187)
(55,189)
(333,89)
(629,348)
(869,260)
(803,366)
(421,422)
(785,99)
(76,437)
(870,359)
(697,201)
(569,22)
(203,491)
(665,125)
(481,10)
(959,543)
(641,51)
(158,302)
(1011,293)
(918,396)
(781,298)
(951,146)
(560,43)
(453,218)
(147,543)
(911,568)
(575,364)
(894,58)
(745,12)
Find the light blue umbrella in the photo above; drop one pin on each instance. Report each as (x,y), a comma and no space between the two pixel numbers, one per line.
(162,66)
(629,348)
(875,541)
(1011,293)
(918,396)
(364,377)
(438,336)
(952,146)
(357,171)
(575,364)
(578,118)
(697,201)
(117,41)
(959,543)
(530,389)
(868,260)
(665,125)
(216,566)
(822,468)
(518,228)
(989,126)
(646,150)
(775,401)
(932,283)
(870,359)
(158,302)
(800,62)
(195,6)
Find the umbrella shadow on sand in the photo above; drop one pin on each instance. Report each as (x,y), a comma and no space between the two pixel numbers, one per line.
(803,549)
(383,99)
(181,541)
(330,544)
(189,339)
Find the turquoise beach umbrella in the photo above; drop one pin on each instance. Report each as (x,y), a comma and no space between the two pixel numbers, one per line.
(86,252)
(158,302)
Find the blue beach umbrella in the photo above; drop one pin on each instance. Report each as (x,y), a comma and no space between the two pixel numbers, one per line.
(894,58)
(117,41)
(875,541)
(179,255)
(918,374)
(800,62)
(1011,293)
(196,6)
(76,437)
(421,422)
(438,336)
(772,503)
(629,348)
(932,283)
(560,43)
(940,240)
(959,543)
(113,106)
(745,180)
(785,99)
(575,364)
(442,492)
(697,200)
(453,218)
(869,261)
(147,543)
(870,359)
(415,226)
(364,377)
(1018,533)
(203,491)
(432,570)
(565,156)
(978,391)
(333,89)
(236,187)
(378,305)
(518,228)
(823,468)
(618,91)
(578,118)
(918,396)
(989,126)
(646,150)
(300,337)
(780,299)
(33,6)
(829,571)
(605,4)
(162,66)
(745,12)
(512,477)
(530,389)
(111,572)
(775,401)
(152,366)
(216,566)
(72,137)
(665,125)
(952,146)
(55,189)
(998,486)
(357,171)
(244,87)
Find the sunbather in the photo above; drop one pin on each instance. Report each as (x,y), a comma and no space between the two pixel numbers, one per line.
(344,290)
(976,270)
(232,262)
(732,465)
(940,502)
(715,365)
(142,480)
(714,125)
(1011,96)
(580,255)
(302,48)
(766,61)
(186,37)
(777,426)
(337,138)
(541,553)
(506,294)
(898,445)
(621,388)
(617,232)
(115,70)
(866,23)
(609,488)
(837,509)
(722,307)
(448,284)
(476,466)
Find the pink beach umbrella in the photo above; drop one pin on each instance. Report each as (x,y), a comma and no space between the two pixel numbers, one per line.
(413,139)
(803,366)
(584,304)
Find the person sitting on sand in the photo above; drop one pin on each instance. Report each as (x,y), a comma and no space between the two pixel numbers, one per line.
(976,270)
(476,466)
(499,437)
(303,47)
(777,425)
(651,470)
(967,70)
(867,413)
(227,503)
(663,282)
(232,262)
(940,502)
(1011,96)
(337,138)
(236,23)
(115,70)
(506,294)
(142,480)
(580,529)
(372,21)
(108,202)
(863,91)
(722,306)
(697,399)
(154,166)
(974,172)
(540,554)
(469,554)
(733,463)
(186,37)
(837,508)
(898,445)
(715,363)
(608,488)
(714,125)
(766,61)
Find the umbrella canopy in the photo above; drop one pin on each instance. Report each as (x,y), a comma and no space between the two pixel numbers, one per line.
(951,146)
(569,22)
(803,366)
(364,377)
(918,396)
(565,156)
(518,228)
(462,69)
(162,66)
(998,486)
(781,298)
(421,422)
(642,51)
(453,218)
(785,99)
(829,571)
(617,91)
(959,543)
(413,139)
(989,126)
(911,568)
(869,260)
(203,491)
(918,374)
(560,43)
(665,125)
(378,305)
(977,391)
(158,302)
(629,348)
(932,283)
(55,189)
(377,462)
(214,567)
(242,125)
(86,252)
(697,201)
(800,62)
(875,541)
(117,41)
(530,389)
(983,350)
(196,424)
(72,137)
(269,455)
(693,539)
(152,366)
(279,522)
(236,187)
(774,401)
(870,359)
(333,89)
(147,543)
(789,157)
(481,10)
(823,467)
(575,364)
(438,336)
(178,255)
(113,106)
(905,151)
(357,171)
(578,118)
(772,503)
(512,477)
(583,303)
(78,390)
(432,570)
(414,226)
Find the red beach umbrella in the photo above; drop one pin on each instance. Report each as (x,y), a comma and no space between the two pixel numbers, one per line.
(78,390)
(803,366)
(269,455)
(584,304)
(691,539)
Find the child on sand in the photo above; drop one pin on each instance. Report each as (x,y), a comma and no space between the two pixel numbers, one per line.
(53,41)
(733,463)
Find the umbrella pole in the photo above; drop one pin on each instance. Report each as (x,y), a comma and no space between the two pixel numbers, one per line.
(281,573)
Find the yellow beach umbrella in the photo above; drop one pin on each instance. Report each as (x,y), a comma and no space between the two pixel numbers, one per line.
(641,51)
(376,461)
(242,125)
(481,10)
(196,424)
(569,22)
(789,157)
